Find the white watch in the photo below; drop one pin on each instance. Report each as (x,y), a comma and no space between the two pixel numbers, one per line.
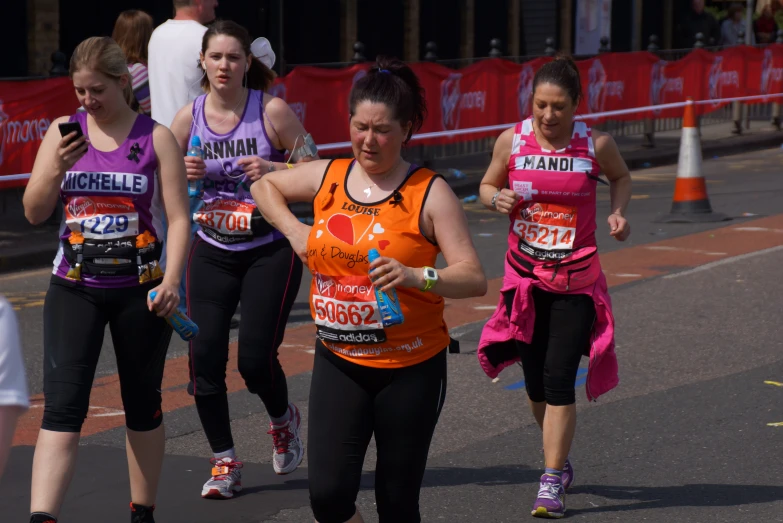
(430,278)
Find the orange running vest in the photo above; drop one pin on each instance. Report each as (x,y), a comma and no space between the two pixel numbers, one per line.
(342,297)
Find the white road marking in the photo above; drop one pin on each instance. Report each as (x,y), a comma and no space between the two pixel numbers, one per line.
(725,261)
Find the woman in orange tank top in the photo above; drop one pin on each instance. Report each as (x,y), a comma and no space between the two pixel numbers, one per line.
(368,377)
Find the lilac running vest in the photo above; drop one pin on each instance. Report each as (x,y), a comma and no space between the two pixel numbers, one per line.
(229,218)
(112,213)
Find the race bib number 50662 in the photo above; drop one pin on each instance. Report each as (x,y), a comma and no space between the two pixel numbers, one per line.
(345,310)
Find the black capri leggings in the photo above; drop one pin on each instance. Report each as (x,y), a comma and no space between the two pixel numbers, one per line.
(561,335)
(75,319)
(265,279)
(350,402)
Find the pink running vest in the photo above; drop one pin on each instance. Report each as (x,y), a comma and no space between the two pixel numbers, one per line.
(556,211)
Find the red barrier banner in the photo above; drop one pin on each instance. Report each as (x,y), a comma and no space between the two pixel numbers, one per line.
(491,92)
(615,81)
(27,108)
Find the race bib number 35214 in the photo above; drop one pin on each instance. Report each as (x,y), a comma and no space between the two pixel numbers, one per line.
(227,217)
(546,227)
(102,217)
(345,310)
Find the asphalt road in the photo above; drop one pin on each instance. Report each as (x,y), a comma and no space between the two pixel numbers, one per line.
(685,437)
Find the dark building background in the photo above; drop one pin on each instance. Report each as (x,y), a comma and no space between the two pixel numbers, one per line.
(324,31)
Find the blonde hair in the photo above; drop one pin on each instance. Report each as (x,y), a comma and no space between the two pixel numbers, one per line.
(104,55)
(132,31)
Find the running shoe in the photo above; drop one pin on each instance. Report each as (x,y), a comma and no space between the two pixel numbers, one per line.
(141,514)
(288,447)
(568,475)
(551,498)
(225,481)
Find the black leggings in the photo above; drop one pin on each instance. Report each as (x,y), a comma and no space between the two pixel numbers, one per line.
(75,319)
(265,279)
(350,402)
(561,335)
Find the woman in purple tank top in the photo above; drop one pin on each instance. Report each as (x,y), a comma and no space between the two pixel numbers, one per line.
(237,256)
(116,183)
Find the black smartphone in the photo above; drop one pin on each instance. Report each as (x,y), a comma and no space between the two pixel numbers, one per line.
(67,128)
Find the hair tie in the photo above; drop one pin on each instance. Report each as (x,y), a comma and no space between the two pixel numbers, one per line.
(384,71)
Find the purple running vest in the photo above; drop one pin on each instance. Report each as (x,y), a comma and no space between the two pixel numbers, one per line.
(112,197)
(228,204)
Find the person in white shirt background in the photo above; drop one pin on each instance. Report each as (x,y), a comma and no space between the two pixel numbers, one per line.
(14,397)
(175,75)
(175,78)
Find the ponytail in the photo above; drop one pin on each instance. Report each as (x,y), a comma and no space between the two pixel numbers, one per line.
(259,76)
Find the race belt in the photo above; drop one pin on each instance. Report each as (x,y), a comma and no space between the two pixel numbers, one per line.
(126,256)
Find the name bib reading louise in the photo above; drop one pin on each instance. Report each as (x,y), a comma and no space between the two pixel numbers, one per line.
(226,217)
(346,310)
(104,217)
(544,229)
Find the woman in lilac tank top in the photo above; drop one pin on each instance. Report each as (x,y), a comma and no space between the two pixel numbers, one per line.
(554,305)
(116,183)
(237,256)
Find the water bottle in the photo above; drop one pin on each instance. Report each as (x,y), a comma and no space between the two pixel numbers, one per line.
(388,303)
(195,187)
(181,324)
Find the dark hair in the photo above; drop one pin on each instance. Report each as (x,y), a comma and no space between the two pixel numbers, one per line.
(259,76)
(395,85)
(562,72)
(132,31)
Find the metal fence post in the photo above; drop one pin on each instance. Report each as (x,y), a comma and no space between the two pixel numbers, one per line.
(649,123)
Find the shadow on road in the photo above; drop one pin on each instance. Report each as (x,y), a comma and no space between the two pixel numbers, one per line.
(698,495)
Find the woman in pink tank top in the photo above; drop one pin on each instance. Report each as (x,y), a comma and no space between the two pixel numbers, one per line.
(554,306)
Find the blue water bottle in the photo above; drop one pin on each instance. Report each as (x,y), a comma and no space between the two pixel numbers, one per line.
(388,303)
(195,187)
(183,325)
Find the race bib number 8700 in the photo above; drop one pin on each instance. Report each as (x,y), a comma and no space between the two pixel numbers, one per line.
(227,217)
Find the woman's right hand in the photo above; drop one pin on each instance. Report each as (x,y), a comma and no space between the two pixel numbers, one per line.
(70,153)
(506,201)
(298,239)
(195,167)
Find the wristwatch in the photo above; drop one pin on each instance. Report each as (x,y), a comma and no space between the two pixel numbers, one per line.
(430,278)
(495,199)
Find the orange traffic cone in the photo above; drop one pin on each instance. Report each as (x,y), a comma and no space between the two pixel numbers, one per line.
(690,203)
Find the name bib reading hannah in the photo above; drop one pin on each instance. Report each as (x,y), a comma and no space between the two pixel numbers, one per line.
(102,217)
(226,217)
(345,310)
(545,227)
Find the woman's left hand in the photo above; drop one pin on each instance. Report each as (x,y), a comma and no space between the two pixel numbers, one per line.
(388,273)
(166,301)
(254,167)
(618,227)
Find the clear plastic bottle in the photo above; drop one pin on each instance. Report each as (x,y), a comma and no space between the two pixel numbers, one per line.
(388,303)
(195,187)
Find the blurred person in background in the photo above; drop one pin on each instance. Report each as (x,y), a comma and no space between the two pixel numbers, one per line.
(14,399)
(132,31)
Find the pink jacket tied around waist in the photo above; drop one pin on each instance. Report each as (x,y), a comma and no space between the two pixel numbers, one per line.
(497,348)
